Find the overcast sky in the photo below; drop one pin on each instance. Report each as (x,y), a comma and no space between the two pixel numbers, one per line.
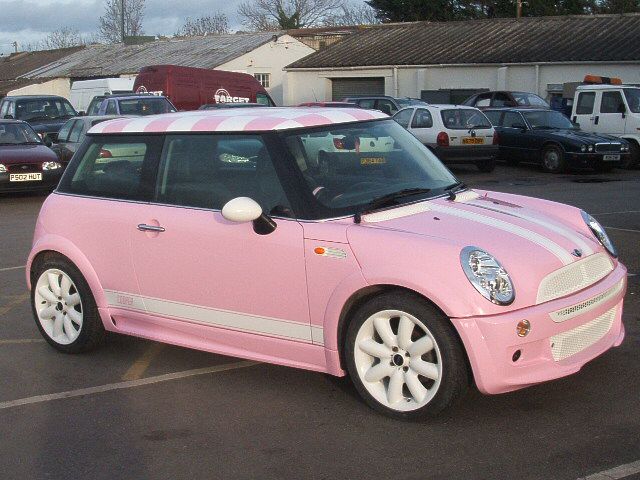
(27,21)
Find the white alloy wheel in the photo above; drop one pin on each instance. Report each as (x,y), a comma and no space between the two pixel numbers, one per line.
(398,360)
(58,306)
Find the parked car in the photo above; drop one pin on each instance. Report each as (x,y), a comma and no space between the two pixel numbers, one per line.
(214,106)
(96,102)
(72,134)
(455,134)
(45,113)
(384,103)
(506,99)
(611,110)
(330,104)
(135,105)
(26,163)
(549,138)
(84,91)
(392,270)
(188,88)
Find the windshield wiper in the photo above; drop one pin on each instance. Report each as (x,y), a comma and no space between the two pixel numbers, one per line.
(453,188)
(387,200)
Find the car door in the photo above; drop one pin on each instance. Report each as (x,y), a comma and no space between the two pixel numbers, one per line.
(584,110)
(611,115)
(196,267)
(70,145)
(422,127)
(515,137)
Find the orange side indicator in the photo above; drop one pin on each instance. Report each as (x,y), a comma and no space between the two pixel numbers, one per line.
(319,250)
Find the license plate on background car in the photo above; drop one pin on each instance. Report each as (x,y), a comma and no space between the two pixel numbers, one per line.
(611,157)
(472,140)
(25,177)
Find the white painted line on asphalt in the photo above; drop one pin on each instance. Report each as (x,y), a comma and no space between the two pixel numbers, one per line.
(620,471)
(616,213)
(122,385)
(19,341)
(7,269)
(622,229)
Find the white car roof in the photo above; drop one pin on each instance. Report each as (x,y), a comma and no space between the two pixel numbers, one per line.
(603,86)
(237,120)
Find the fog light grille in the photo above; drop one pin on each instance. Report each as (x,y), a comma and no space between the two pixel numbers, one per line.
(576,340)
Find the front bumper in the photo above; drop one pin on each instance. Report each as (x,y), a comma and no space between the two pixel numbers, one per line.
(50,179)
(466,154)
(552,349)
(593,160)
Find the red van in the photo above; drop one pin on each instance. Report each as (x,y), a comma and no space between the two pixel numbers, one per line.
(188,88)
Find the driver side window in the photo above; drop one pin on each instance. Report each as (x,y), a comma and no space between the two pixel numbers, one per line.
(513,120)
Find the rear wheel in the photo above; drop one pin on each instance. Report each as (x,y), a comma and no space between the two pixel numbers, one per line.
(553,159)
(404,357)
(487,166)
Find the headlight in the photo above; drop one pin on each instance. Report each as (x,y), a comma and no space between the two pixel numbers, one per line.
(590,148)
(583,148)
(599,233)
(3,169)
(51,166)
(487,275)
(624,148)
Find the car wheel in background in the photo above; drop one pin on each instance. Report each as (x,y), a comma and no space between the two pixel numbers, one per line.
(404,356)
(487,166)
(63,306)
(553,159)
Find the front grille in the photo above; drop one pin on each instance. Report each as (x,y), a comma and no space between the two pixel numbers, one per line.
(608,147)
(568,343)
(575,277)
(24,168)
(584,307)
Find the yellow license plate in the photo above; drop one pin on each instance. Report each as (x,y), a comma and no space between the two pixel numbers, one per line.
(472,140)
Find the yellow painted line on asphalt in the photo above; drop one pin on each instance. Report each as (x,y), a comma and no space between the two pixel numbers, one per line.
(123,385)
(17,300)
(140,366)
(18,341)
(621,471)
(7,269)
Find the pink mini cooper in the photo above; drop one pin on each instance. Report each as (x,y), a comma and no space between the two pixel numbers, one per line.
(324,239)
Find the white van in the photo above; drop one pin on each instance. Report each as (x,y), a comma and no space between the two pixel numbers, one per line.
(83,91)
(610,109)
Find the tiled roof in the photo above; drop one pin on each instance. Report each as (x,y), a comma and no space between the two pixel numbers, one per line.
(585,38)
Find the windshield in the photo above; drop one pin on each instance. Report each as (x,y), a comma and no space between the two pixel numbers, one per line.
(633,99)
(529,99)
(17,134)
(44,109)
(547,119)
(345,167)
(145,106)
(464,119)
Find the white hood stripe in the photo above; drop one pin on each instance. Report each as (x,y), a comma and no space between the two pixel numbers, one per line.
(565,257)
(563,231)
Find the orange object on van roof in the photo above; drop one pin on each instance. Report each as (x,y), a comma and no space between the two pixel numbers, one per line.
(597,79)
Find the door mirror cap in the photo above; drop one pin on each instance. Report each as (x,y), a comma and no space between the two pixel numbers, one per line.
(47,141)
(241,210)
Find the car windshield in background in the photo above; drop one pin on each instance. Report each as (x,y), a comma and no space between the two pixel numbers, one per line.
(145,106)
(348,167)
(529,99)
(17,134)
(44,109)
(633,99)
(464,119)
(547,119)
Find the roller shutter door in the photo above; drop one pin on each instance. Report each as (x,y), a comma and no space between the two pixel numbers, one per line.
(346,87)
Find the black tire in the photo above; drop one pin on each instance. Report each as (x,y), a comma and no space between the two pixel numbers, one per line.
(455,371)
(92,332)
(633,159)
(487,166)
(553,159)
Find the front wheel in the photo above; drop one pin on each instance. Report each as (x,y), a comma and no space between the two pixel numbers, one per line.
(404,357)
(553,159)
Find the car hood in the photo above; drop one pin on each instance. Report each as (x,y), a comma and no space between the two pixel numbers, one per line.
(11,155)
(580,136)
(531,238)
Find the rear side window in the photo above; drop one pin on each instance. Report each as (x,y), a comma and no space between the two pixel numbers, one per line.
(464,119)
(111,108)
(63,134)
(483,100)
(513,120)
(422,119)
(501,100)
(76,131)
(585,103)
(612,103)
(369,103)
(115,167)
(403,117)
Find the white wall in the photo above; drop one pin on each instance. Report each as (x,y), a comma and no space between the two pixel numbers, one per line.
(270,58)
(57,86)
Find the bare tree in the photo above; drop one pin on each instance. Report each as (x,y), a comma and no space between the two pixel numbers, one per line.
(110,23)
(354,14)
(64,37)
(210,24)
(263,15)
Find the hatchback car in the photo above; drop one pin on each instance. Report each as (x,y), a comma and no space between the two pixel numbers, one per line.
(224,231)
(549,138)
(26,163)
(455,134)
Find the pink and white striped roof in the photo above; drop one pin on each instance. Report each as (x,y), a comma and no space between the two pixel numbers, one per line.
(237,120)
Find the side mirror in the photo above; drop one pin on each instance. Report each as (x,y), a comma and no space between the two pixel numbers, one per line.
(8,116)
(576,124)
(47,141)
(245,209)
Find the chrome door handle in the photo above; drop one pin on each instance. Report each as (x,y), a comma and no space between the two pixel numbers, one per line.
(143,227)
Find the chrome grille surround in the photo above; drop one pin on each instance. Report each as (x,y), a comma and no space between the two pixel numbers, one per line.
(574,277)
(608,147)
(571,342)
(580,308)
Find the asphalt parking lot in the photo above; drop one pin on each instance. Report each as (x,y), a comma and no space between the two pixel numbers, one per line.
(140,410)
